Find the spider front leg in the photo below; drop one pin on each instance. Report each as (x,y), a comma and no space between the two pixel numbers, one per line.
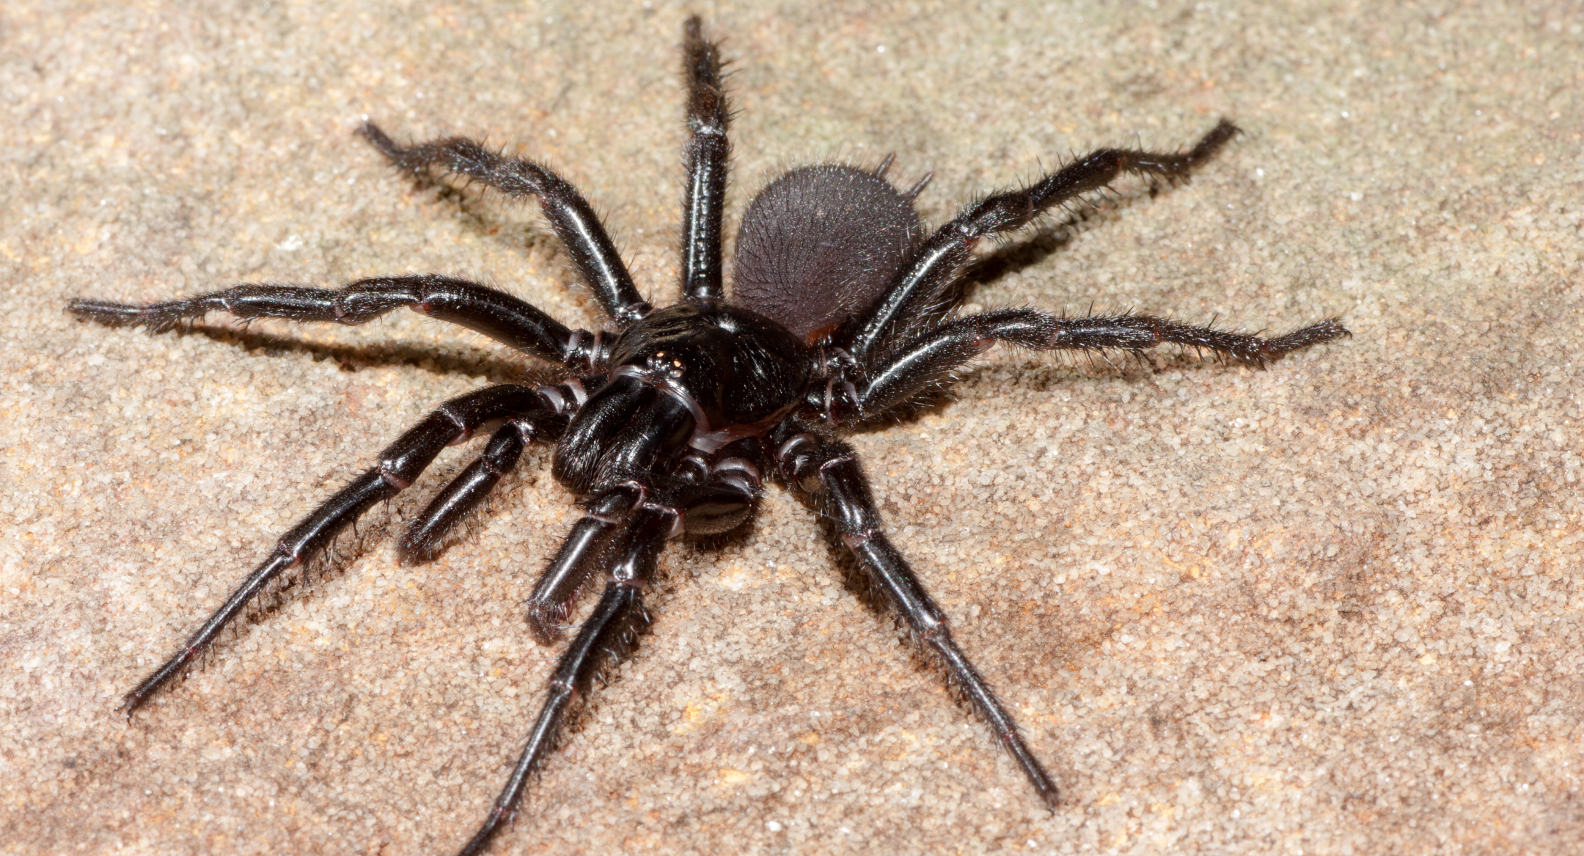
(929,359)
(486,310)
(605,637)
(719,504)
(705,157)
(399,465)
(571,218)
(468,489)
(720,499)
(828,471)
(915,298)
(563,579)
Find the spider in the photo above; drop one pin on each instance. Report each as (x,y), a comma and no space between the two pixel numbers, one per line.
(842,314)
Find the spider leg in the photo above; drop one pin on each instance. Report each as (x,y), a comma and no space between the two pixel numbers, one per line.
(725,497)
(828,471)
(705,157)
(463,494)
(494,313)
(722,502)
(399,465)
(570,216)
(563,579)
(605,637)
(929,359)
(917,293)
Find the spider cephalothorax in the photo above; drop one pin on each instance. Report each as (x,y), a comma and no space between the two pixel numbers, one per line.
(843,311)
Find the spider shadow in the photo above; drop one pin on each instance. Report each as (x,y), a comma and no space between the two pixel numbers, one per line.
(476,214)
(352,358)
(1051,235)
(490,221)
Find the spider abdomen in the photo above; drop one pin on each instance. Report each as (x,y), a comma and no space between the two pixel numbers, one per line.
(819,244)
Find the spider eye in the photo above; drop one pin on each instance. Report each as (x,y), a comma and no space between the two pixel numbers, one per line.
(819,245)
(662,363)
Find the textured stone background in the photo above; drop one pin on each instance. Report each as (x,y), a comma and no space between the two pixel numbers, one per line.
(1329,608)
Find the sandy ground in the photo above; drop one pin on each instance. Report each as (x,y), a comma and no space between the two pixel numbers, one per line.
(1329,608)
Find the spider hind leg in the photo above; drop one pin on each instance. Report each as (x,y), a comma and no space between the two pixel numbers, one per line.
(706,160)
(918,297)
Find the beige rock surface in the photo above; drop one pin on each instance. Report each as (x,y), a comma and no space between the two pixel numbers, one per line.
(1329,608)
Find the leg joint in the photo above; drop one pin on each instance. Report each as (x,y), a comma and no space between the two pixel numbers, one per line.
(854,540)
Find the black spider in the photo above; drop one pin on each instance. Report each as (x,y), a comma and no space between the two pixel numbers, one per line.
(842,312)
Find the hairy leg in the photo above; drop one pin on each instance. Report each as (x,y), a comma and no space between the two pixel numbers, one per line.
(705,159)
(399,465)
(929,359)
(570,216)
(464,493)
(720,503)
(916,294)
(828,472)
(494,313)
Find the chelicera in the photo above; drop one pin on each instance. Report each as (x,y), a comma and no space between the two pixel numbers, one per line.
(843,311)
